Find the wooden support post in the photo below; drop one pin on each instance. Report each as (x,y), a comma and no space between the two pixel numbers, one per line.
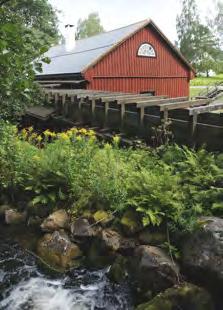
(142,114)
(106,108)
(194,123)
(165,116)
(80,103)
(122,112)
(93,105)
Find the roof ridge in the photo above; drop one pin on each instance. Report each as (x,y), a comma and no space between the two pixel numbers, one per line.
(98,34)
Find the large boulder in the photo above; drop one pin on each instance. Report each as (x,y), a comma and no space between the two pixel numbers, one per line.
(57,250)
(184,297)
(14,217)
(148,237)
(55,221)
(153,271)
(203,252)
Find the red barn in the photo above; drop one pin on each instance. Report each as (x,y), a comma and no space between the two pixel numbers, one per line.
(137,58)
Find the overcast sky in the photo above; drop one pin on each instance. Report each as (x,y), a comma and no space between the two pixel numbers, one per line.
(118,13)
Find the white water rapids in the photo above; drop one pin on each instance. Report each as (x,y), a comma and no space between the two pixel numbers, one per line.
(25,286)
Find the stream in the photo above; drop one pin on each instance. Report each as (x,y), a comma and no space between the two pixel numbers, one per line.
(26,285)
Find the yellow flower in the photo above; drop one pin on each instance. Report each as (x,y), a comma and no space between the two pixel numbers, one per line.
(30,129)
(39,138)
(83,131)
(79,138)
(24,133)
(47,133)
(91,133)
(107,146)
(63,136)
(116,140)
(74,130)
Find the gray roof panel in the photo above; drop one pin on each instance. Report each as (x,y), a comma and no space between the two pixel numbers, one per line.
(85,51)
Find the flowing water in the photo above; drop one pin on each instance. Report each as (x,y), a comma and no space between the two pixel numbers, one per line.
(24,285)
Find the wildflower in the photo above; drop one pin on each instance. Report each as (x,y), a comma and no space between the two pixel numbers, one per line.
(107,146)
(30,129)
(24,133)
(39,138)
(47,133)
(116,140)
(63,136)
(83,131)
(91,133)
(79,138)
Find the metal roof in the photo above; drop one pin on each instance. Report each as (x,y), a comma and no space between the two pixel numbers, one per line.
(90,50)
(85,51)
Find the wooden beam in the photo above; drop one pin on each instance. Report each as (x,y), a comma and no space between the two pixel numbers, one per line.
(149,103)
(183,104)
(206,109)
(139,99)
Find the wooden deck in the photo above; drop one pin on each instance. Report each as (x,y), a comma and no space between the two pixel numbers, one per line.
(107,109)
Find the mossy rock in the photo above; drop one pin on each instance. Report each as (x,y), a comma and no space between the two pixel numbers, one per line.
(58,251)
(184,297)
(152,238)
(103,217)
(119,270)
(131,222)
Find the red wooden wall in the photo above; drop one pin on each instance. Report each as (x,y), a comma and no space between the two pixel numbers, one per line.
(123,70)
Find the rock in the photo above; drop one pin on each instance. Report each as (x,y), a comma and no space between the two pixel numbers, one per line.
(34,221)
(184,297)
(98,256)
(153,271)
(13,217)
(57,250)
(147,237)
(82,229)
(3,209)
(203,253)
(131,222)
(105,218)
(119,270)
(55,221)
(115,242)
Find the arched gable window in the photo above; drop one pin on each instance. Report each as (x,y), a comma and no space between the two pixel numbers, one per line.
(146,50)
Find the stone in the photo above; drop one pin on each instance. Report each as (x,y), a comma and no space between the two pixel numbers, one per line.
(4,208)
(82,229)
(58,251)
(146,237)
(14,217)
(103,217)
(115,242)
(34,221)
(202,253)
(118,271)
(131,222)
(153,271)
(55,221)
(183,297)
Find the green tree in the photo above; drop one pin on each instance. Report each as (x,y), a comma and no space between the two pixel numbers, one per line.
(22,48)
(89,27)
(197,42)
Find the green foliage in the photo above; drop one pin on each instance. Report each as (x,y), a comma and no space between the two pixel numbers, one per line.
(171,186)
(89,26)
(197,42)
(24,38)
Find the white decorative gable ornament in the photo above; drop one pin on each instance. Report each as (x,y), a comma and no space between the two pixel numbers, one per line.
(146,50)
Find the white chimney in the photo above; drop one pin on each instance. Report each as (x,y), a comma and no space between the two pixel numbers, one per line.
(70,37)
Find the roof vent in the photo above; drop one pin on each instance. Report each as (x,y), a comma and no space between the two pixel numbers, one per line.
(70,37)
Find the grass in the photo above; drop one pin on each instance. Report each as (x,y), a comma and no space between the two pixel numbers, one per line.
(195,92)
(205,81)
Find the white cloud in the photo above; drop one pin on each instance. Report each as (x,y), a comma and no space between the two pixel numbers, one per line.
(118,13)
